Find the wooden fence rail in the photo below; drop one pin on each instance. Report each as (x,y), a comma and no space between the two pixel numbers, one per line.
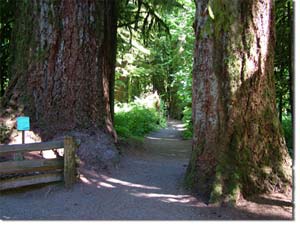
(22,148)
(30,166)
(62,169)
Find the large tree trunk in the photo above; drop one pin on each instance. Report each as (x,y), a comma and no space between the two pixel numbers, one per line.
(238,147)
(64,61)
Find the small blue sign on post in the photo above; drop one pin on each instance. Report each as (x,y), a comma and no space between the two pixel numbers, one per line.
(23,123)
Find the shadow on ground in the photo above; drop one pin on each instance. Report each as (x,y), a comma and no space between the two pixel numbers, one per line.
(144,186)
(103,197)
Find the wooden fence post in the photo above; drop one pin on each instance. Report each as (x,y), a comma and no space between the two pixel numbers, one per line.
(69,161)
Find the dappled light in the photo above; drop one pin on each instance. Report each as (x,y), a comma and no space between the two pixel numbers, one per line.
(105,185)
(157,138)
(180,127)
(101,181)
(157,196)
(85,180)
(147,110)
(95,181)
(168,198)
(31,136)
(91,177)
(128,184)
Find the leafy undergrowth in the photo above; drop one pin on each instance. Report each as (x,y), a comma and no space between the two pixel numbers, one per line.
(187,120)
(136,119)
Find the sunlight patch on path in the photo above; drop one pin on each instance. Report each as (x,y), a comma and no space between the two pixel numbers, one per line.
(168,198)
(179,127)
(106,185)
(101,180)
(128,184)
(159,138)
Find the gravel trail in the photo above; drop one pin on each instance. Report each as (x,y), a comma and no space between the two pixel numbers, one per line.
(147,185)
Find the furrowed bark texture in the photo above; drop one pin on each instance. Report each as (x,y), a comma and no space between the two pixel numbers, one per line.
(64,64)
(238,147)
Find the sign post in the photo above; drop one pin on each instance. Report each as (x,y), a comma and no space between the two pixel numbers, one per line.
(23,124)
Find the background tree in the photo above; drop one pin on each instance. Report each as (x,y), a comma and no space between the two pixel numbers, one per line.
(63,64)
(283,67)
(238,147)
(283,59)
(155,52)
(7,9)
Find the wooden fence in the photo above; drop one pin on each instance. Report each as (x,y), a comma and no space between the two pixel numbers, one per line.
(45,170)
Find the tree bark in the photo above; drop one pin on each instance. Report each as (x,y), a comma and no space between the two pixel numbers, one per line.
(238,147)
(64,62)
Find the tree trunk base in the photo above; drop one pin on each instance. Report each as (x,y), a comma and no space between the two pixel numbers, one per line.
(97,150)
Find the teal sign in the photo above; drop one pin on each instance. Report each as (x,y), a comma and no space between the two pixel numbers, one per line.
(23,123)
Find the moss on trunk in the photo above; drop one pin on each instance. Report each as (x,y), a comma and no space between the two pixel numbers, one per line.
(235,123)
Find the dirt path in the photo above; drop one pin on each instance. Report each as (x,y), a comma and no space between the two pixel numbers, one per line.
(147,185)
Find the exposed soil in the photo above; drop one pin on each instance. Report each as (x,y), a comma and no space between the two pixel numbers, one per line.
(146,185)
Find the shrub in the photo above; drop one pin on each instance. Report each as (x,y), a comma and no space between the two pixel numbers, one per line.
(137,118)
(187,120)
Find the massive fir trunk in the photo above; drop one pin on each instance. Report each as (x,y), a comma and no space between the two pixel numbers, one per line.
(238,147)
(64,60)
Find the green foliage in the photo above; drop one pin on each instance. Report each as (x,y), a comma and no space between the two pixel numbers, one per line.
(187,119)
(163,62)
(144,17)
(137,122)
(162,114)
(287,127)
(138,118)
(283,55)
(283,67)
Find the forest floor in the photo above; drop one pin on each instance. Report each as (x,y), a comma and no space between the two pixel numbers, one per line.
(146,185)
